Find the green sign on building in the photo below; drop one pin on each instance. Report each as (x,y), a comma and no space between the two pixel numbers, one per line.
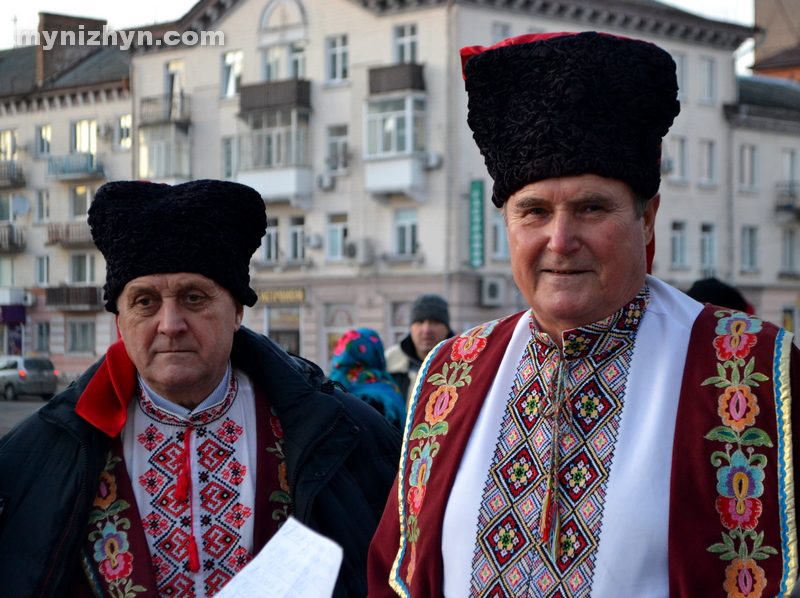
(476,224)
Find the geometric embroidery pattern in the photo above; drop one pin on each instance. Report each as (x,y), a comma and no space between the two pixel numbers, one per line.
(555,447)
(167,521)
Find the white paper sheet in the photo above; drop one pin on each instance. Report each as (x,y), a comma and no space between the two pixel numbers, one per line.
(296,563)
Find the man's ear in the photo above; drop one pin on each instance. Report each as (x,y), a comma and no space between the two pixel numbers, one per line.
(649,217)
(238,317)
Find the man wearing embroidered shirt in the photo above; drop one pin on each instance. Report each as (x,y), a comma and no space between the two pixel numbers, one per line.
(618,439)
(173,460)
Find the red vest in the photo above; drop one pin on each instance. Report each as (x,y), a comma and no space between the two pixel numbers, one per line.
(732,513)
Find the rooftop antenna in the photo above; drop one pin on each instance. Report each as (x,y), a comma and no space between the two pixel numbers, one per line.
(15,30)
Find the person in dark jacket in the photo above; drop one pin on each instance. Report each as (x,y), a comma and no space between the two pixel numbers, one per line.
(168,465)
(430,325)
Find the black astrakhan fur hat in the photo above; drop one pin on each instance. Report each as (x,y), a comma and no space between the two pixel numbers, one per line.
(562,104)
(205,227)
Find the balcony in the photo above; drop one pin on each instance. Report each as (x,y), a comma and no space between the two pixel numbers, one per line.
(403,174)
(397,77)
(787,201)
(70,235)
(291,184)
(157,110)
(74,298)
(74,167)
(11,176)
(12,239)
(294,93)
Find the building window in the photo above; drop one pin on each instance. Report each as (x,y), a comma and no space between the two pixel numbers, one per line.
(83,137)
(499,236)
(339,318)
(680,72)
(405,43)
(789,250)
(44,137)
(678,159)
(747,166)
(708,249)
(81,268)
(297,238)
(80,336)
(42,270)
(42,208)
(276,138)
(163,152)
(41,337)
(337,148)
(6,272)
(401,320)
(227,157)
(269,246)
(8,145)
(231,73)
(284,61)
(297,60)
(789,164)
(123,134)
(80,200)
(336,237)
(707,160)
(500,31)
(395,126)
(405,232)
(708,81)
(5,208)
(749,248)
(679,246)
(336,59)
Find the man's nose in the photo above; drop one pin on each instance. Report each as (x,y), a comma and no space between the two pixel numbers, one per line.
(171,318)
(563,234)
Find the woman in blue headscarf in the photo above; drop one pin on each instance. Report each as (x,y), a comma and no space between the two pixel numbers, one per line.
(360,366)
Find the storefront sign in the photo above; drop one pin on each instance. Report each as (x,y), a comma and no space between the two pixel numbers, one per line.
(12,314)
(272,296)
(476,224)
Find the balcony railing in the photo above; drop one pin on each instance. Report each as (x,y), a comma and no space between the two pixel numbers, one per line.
(74,167)
(69,234)
(74,298)
(12,239)
(11,175)
(397,77)
(165,109)
(275,94)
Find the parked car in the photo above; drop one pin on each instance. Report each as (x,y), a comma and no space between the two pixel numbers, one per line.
(27,376)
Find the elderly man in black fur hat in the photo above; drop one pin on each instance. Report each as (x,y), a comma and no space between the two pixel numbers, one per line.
(174,459)
(618,438)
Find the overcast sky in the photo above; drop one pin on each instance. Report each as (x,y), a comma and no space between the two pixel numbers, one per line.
(119,14)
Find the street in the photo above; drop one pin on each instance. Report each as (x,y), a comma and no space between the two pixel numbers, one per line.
(13,411)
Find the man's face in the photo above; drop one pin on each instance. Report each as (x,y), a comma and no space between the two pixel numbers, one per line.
(577,248)
(178,331)
(427,334)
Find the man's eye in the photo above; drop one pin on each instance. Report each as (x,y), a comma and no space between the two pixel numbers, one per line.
(144,302)
(193,297)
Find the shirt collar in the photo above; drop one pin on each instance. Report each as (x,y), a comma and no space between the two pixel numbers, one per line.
(601,337)
(216,397)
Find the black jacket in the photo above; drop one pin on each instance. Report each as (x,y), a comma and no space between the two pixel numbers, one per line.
(341,459)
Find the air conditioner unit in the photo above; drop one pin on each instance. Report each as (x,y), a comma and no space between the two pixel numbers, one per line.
(29,299)
(431,160)
(493,291)
(314,241)
(360,252)
(106,132)
(325,181)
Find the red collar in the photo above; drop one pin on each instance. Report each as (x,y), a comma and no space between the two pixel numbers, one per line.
(104,402)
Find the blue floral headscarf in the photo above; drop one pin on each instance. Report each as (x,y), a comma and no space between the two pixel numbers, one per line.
(360,366)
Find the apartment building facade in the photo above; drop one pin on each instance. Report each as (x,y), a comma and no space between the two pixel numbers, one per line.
(349,117)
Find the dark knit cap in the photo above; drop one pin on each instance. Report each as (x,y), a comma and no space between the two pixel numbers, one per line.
(204,227)
(430,307)
(714,291)
(563,104)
